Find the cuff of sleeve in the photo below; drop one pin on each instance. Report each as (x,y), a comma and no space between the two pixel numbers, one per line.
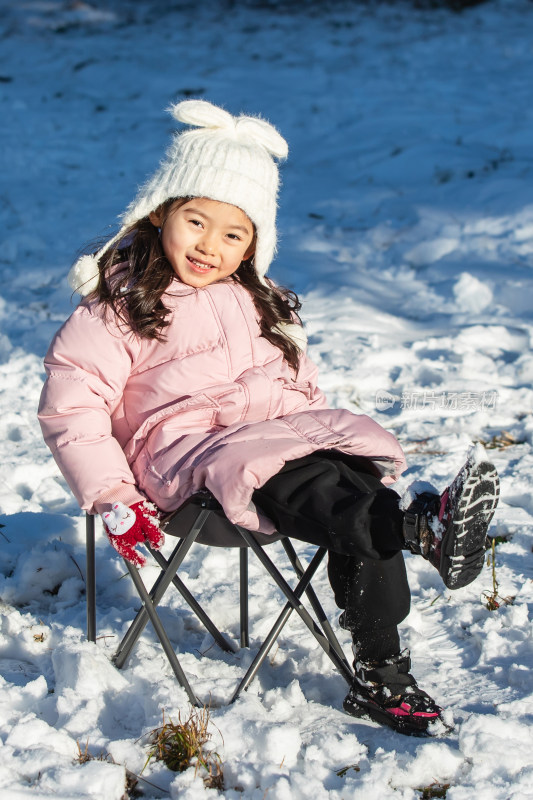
(125,493)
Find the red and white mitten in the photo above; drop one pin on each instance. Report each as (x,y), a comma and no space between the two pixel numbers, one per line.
(127,526)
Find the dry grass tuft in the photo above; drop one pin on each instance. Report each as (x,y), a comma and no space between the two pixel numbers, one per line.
(434,790)
(182,744)
(131,791)
(84,756)
(493,601)
(500,441)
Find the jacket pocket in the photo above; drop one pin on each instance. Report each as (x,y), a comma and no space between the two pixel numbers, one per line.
(316,428)
(303,387)
(194,411)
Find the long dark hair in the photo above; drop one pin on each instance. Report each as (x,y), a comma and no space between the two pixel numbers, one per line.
(135,274)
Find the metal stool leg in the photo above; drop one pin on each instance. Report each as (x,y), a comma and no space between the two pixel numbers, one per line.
(158,590)
(193,603)
(315,603)
(161,633)
(293,598)
(243,558)
(90,577)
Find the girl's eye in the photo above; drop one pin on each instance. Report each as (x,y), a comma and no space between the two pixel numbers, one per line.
(196,222)
(234,237)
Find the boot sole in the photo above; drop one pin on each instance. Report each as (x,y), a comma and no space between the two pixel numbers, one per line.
(409,726)
(474,495)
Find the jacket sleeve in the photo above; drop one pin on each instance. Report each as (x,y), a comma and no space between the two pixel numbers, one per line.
(87,365)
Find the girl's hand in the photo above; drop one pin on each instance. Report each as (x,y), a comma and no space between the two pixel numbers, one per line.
(127,526)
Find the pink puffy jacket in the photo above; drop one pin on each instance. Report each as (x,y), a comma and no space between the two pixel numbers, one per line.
(215,405)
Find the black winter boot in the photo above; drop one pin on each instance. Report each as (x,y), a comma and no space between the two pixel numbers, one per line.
(450,530)
(387,693)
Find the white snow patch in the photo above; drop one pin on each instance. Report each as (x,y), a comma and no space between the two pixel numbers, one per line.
(406,226)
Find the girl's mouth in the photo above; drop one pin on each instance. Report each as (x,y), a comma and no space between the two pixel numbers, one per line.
(199,266)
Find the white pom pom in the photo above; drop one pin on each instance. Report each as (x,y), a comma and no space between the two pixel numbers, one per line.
(294,332)
(84,275)
(202,114)
(263,133)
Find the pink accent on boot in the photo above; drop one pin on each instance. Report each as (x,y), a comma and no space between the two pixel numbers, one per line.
(443,502)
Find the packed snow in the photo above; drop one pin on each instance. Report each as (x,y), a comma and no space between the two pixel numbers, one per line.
(406,224)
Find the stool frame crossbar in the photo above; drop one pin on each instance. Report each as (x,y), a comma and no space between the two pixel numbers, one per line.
(318,625)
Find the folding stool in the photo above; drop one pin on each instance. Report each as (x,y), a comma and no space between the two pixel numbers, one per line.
(201,520)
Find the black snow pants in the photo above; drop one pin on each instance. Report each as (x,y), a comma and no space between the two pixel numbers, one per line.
(338,502)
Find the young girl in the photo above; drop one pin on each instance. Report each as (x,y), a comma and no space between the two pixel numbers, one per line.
(184,369)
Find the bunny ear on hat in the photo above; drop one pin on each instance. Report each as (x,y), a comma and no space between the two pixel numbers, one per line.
(263,133)
(202,114)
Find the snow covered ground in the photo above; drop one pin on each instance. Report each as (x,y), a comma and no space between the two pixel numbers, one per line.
(407,227)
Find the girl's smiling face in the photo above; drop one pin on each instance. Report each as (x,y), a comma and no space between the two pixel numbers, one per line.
(205,241)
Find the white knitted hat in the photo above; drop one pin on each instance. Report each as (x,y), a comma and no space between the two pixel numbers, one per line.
(223,158)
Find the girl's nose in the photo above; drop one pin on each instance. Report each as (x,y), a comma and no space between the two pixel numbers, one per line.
(206,245)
